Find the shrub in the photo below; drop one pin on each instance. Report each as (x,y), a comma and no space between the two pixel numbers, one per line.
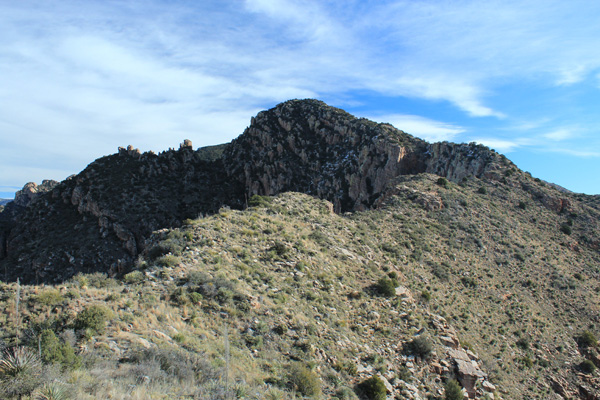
(53,351)
(426,295)
(587,339)
(387,287)
(168,261)
(373,388)
(452,390)
(443,182)
(134,277)
(304,380)
(52,391)
(523,344)
(92,319)
(420,346)
(566,229)
(260,201)
(48,298)
(20,372)
(345,393)
(587,367)
(169,246)
(482,190)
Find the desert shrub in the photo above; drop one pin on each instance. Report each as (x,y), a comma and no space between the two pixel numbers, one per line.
(441,271)
(180,296)
(168,261)
(425,295)
(587,339)
(169,246)
(566,229)
(92,319)
(386,287)
(373,388)
(345,393)
(452,390)
(20,372)
(523,344)
(172,362)
(443,182)
(48,298)
(55,351)
(482,190)
(259,201)
(134,277)
(420,346)
(52,391)
(587,367)
(280,329)
(304,380)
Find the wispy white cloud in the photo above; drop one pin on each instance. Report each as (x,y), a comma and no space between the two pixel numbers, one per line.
(424,128)
(560,134)
(77,79)
(501,145)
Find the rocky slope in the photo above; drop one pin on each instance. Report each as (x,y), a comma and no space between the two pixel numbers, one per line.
(99,219)
(497,272)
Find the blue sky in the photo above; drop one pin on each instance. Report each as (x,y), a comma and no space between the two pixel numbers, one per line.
(80,78)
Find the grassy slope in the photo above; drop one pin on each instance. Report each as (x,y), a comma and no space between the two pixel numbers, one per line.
(290,282)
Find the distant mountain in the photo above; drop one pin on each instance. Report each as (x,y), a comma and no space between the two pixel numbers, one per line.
(5,201)
(312,253)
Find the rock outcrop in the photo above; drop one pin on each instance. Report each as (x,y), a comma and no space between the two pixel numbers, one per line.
(101,218)
(307,146)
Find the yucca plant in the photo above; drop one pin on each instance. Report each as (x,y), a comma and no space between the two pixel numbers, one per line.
(52,391)
(18,360)
(20,370)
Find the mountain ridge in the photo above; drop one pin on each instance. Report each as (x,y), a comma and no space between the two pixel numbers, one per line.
(299,145)
(319,243)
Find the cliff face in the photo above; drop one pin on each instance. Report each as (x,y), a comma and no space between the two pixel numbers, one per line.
(309,147)
(101,218)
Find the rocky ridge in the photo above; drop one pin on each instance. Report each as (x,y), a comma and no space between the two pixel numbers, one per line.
(300,145)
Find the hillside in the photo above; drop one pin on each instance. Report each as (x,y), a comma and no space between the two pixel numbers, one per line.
(418,263)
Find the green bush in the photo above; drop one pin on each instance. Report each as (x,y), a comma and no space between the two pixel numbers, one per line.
(134,277)
(482,190)
(452,390)
(420,346)
(425,295)
(443,182)
(304,380)
(56,352)
(587,339)
(566,229)
(48,298)
(587,367)
(373,388)
(92,319)
(168,261)
(386,287)
(260,201)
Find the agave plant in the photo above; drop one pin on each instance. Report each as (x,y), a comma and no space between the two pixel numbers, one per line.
(17,361)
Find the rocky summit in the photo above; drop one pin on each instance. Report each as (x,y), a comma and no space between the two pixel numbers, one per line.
(317,255)
(100,219)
